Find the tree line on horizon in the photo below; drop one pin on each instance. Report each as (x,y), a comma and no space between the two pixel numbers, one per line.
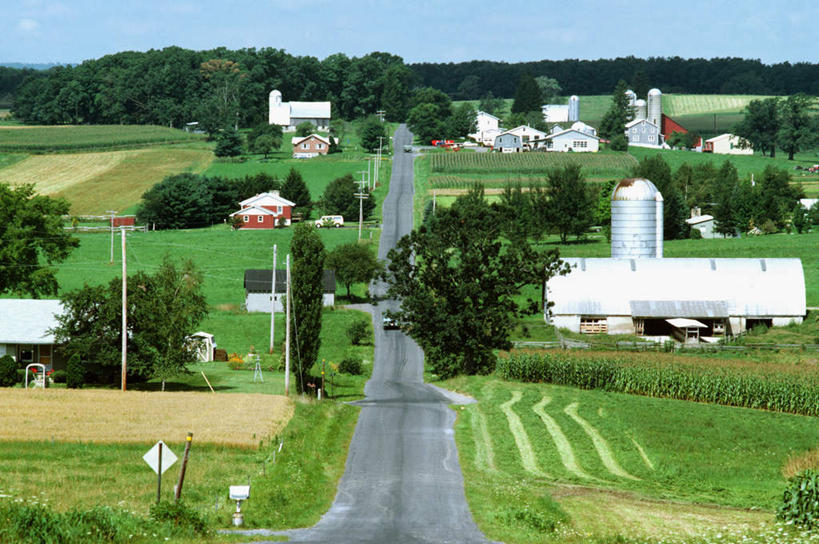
(173,86)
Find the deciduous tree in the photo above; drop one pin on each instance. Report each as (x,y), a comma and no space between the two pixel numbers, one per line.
(569,202)
(339,198)
(31,239)
(295,190)
(798,129)
(353,263)
(458,282)
(761,124)
(372,133)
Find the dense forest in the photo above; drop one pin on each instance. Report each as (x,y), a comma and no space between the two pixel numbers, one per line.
(218,87)
(473,79)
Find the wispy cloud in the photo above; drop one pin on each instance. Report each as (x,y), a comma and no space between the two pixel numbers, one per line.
(29,26)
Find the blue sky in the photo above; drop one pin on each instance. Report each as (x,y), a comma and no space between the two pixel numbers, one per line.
(37,31)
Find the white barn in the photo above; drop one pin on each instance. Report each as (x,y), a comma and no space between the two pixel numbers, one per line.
(727,144)
(289,115)
(259,289)
(639,296)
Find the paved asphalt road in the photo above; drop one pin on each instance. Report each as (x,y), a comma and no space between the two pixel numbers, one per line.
(402,482)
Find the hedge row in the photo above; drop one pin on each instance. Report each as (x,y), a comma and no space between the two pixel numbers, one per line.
(781,393)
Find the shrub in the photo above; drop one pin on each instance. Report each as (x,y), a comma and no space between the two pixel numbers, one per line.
(800,502)
(358,331)
(59,376)
(8,371)
(180,516)
(75,372)
(350,365)
(619,143)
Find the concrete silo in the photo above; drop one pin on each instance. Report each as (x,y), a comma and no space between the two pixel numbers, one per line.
(632,97)
(636,220)
(655,106)
(640,109)
(574,108)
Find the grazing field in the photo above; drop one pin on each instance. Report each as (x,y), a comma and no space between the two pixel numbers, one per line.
(51,139)
(95,182)
(96,416)
(552,463)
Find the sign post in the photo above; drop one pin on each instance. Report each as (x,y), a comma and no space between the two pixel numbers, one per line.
(159,458)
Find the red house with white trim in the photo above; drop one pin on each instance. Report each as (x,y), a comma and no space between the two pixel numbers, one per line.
(265,211)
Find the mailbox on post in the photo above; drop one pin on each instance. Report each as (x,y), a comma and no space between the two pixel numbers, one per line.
(239,493)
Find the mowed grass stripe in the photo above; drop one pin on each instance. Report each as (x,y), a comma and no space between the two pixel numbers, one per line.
(564,447)
(484,453)
(640,449)
(527,455)
(600,443)
(116,417)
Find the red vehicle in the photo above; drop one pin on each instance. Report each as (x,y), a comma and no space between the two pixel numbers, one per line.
(442,143)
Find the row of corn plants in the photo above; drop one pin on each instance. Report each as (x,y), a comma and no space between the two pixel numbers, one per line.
(89,138)
(529,163)
(781,393)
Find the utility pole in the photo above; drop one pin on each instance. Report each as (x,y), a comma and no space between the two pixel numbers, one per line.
(113,213)
(361,195)
(273,302)
(287,332)
(378,160)
(125,314)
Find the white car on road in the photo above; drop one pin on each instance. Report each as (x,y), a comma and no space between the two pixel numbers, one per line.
(330,221)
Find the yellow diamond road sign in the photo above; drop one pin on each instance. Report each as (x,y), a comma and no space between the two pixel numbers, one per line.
(152,457)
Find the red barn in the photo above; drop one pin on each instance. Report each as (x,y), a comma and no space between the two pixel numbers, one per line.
(670,126)
(265,211)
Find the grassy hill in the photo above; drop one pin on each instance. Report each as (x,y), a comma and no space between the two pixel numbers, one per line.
(51,139)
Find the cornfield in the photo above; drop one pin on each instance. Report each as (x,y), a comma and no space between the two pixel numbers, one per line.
(87,137)
(781,393)
(460,182)
(604,164)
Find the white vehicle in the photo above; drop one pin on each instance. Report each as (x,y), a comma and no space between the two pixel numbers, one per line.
(330,221)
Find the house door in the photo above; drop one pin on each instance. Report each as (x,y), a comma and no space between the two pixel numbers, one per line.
(45,356)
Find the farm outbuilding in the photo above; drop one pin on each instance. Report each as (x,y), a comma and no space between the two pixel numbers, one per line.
(25,331)
(638,296)
(727,144)
(259,289)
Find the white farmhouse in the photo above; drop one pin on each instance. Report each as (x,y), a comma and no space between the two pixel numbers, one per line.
(530,138)
(288,115)
(487,128)
(643,133)
(572,140)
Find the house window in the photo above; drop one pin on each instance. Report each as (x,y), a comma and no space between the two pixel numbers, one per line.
(246,218)
(634,130)
(26,354)
(579,143)
(278,210)
(593,325)
(321,146)
(260,219)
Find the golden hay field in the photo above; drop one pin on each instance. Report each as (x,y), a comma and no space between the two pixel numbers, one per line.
(105,417)
(95,182)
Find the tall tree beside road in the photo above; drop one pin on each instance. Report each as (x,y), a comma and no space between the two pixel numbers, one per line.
(425,122)
(615,119)
(527,95)
(457,281)
(307,275)
(31,238)
(372,134)
(760,125)
(463,121)
(798,129)
(396,95)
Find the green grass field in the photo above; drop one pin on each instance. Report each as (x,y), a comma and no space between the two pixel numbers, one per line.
(602,464)
(36,139)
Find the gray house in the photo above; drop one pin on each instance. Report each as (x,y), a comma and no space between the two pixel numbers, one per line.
(508,142)
(258,289)
(643,133)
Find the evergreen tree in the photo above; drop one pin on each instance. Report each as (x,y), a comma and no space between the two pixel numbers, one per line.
(370,130)
(396,95)
(527,95)
(307,291)
(339,199)
(228,143)
(74,372)
(618,114)
(602,208)
(295,190)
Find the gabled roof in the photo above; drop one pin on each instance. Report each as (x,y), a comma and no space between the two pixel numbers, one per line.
(638,121)
(484,114)
(260,281)
(526,129)
(316,110)
(274,198)
(699,219)
(725,136)
(28,321)
(253,210)
(296,140)
(568,130)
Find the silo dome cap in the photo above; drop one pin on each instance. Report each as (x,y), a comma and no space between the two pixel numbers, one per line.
(636,189)
(654,92)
